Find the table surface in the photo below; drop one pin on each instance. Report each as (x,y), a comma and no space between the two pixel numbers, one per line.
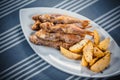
(19,61)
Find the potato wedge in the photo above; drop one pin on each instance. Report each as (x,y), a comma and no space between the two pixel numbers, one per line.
(83,61)
(101,64)
(107,52)
(88,51)
(98,53)
(70,54)
(78,46)
(96,37)
(104,44)
(93,61)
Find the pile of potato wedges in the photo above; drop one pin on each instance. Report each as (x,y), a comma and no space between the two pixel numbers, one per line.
(94,54)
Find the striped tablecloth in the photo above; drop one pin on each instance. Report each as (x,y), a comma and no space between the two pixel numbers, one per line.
(17,59)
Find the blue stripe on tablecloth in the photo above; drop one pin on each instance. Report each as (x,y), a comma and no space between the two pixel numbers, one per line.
(23,50)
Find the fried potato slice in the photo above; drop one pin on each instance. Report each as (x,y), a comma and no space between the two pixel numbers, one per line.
(88,51)
(107,52)
(93,61)
(98,53)
(101,64)
(96,37)
(104,44)
(70,54)
(83,61)
(78,46)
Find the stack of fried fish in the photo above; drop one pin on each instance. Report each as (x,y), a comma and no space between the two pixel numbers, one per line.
(55,30)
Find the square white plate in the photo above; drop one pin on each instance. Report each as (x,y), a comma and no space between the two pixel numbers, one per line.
(54,57)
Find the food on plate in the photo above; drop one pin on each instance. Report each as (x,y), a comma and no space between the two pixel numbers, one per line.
(103,45)
(56,44)
(57,30)
(88,51)
(69,34)
(107,52)
(60,19)
(98,53)
(96,37)
(92,56)
(84,62)
(93,61)
(101,64)
(73,28)
(78,46)
(69,54)
(35,26)
(68,38)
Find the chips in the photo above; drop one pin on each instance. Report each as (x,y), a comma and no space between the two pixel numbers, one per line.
(94,53)
(98,53)
(101,64)
(84,62)
(88,51)
(70,54)
(104,44)
(78,46)
(96,37)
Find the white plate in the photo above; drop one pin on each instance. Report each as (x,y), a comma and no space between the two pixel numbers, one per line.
(54,57)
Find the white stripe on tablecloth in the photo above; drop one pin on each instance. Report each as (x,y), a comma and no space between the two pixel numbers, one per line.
(16,8)
(35,73)
(113,13)
(11,4)
(10,34)
(77,3)
(118,25)
(5,3)
(27,68)
(111,24)
(80,5)
(110,20)
(44,68)
(12,45)
(70,77)
(16,39)
(86,6)
(37,67)
(12,37)
(20,67)
(6,10)
(79,78)
(101,17)
(9,30)
(60,4)
(19,63)
(70,2)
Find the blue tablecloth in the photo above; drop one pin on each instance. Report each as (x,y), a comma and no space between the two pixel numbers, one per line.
(18,60)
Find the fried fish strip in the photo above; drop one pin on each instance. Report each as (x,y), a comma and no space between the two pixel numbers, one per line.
(60,19)
(55,44)
(65,28)
(68,38)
